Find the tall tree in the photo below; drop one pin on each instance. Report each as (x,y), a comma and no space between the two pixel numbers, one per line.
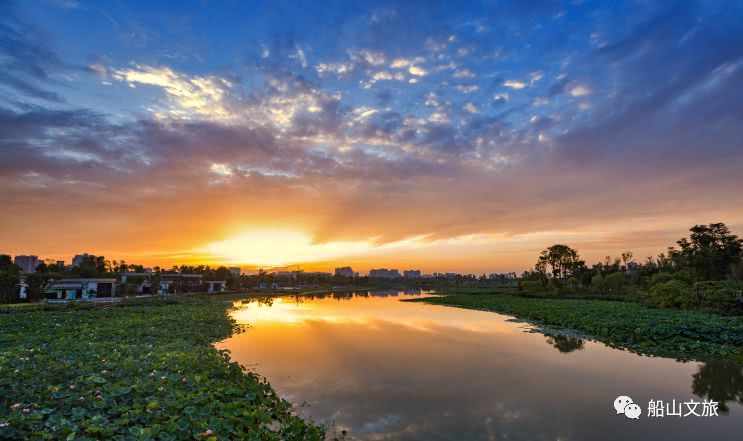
(559,262)
(710,252)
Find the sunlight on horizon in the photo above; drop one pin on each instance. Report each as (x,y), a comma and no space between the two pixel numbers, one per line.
(280,247)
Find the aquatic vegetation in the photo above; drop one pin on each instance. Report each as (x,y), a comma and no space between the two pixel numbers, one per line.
(141,370)
(650,331)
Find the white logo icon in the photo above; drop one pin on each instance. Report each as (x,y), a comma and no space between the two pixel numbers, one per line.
(632,411)
(624,404)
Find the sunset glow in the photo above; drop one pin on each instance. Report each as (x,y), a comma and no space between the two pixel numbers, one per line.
(449,137)
(277,247)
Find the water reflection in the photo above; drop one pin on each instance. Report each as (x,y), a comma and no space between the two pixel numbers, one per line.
(565,343)
(720,381)
(383,369)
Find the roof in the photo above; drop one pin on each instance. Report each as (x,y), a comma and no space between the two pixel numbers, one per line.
(65,286)
(86,280)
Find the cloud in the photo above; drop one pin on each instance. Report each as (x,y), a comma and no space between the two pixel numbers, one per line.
(341,70)
(272,146)
(467,88)
(471,108)
(401,63)
(464,73)
(202,96)
(579,90)
(417,71)
(514,84)
(439,117)
(369,57)
(27,60)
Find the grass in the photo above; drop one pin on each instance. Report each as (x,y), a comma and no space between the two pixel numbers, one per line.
(142,369)
(688,335)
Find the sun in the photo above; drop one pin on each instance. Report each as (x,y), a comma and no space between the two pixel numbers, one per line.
(271,247)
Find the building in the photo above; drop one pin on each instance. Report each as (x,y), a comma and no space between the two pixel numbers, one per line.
(235,271)
(384,273)
(412,274)
(60,263)
(78,259)
(216,285)
(345,271)
(177,283)
(76,289)
(27,264)
(319,274)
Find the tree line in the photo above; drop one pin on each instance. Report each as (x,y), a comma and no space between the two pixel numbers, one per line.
(702,270)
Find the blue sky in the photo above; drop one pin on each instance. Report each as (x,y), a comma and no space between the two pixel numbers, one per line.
(502,120)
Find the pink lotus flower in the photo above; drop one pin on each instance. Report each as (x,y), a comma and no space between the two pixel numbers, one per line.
(207,432)
(72,387)
(4,425)
(15,406)
(26,410)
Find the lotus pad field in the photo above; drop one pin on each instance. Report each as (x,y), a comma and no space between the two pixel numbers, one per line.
(137,371)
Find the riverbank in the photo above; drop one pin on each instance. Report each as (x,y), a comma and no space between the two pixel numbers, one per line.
(686,335)
(140,369)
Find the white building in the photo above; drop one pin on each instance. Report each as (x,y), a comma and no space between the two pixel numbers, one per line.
(72,289)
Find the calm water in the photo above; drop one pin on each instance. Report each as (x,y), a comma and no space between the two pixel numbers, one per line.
(389,370)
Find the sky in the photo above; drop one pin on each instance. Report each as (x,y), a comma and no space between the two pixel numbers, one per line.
(444,136)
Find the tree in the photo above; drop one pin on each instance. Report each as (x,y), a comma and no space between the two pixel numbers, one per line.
(91,266)
(710,252)
(559,262)
(721,381)
(626,258)
(35,285)
(565,343)
(9,279)
(6,263)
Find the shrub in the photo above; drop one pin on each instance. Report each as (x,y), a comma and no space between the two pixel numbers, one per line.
(684,276)
(598,283)
(532,286)
(674,293)
(615,282)
(660,278)
(717,294)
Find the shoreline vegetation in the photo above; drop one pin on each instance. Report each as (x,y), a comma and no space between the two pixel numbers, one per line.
(140,369)
(686,303)
(645,330)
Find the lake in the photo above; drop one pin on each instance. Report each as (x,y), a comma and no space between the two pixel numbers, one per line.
(382,369)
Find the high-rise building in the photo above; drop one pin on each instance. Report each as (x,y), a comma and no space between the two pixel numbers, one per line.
(384,273)
(344,271)
(412,274)
(27,264)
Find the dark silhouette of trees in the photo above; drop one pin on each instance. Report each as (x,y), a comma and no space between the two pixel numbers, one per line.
(719,380)
(565,343)
(710,252)
(559,262)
